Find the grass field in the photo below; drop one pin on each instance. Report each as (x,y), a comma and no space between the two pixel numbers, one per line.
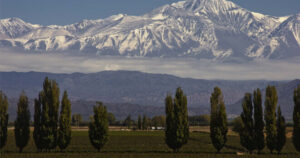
(140,144)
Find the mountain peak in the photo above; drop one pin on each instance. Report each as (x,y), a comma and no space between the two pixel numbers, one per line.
(12,20)
(211,29)
(212,5)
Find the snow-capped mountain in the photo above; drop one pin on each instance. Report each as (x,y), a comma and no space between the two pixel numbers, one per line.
(214,29)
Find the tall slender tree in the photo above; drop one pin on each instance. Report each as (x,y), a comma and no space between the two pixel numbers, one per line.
(258,121)
(64,132)
(22,129)
(247,133)
(3,119)
(111,118)
(181,117)
(128,122)
(218,123)
(47,106)
(296,119)
(37,133)
(281,134)
(98,127)
(177,127)
(170,131)
(145,122)
(139,122)
(270,117)
(76,119)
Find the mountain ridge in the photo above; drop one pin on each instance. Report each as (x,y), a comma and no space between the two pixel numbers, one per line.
(213,29)
(132,89)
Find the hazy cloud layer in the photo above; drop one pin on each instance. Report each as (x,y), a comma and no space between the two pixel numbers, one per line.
(194,68)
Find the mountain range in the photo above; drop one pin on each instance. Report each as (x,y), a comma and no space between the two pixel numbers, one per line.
(132,92)
(210,29)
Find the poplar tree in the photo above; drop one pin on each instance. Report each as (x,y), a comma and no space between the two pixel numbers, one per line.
(170,131)
(37,133)
(128,122)
(145,123)
(218,123)
(64,132)
(281,134)
(3,119)
(258,121)
(76,119)
(247,134)
(139,122)
(98,127)
(22,129)
(270,117)
(181,117)
(296,119)
(47,106)
(177,127)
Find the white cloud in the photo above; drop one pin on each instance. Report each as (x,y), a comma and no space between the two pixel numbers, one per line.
(193,68)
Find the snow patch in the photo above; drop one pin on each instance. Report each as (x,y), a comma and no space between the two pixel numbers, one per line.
(258,15)
(282,19)
(159,17)
(179,4)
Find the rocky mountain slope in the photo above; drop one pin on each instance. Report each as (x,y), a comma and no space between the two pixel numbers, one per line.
(213,29)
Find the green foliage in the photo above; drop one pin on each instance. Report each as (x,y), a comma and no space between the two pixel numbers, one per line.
(128,122)
(98,127)
(22,130)
(281,134)
(247,133)
(76,119)
(111,118)
(270,117)
(37,123)
(47,106)
(258,121)
(296,119)
(158,121)
(170,131)
(64,132)
(145,123)
(177,125)
(237,124)
(218,123)
(3,119)
(181,115)
(199,120)
(139,122)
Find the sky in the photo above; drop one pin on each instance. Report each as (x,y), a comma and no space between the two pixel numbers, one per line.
(63,12)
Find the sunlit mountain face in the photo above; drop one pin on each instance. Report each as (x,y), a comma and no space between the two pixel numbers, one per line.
(205,29)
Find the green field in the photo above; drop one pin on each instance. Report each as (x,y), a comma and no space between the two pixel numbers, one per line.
(139,144)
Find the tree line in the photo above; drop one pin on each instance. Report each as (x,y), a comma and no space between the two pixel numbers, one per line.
(52,127)
(255,122)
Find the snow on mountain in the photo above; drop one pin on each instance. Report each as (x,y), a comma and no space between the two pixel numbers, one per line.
(14,27)
(213,29)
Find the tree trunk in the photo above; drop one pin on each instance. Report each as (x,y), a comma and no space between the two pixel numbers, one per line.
(20,150)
